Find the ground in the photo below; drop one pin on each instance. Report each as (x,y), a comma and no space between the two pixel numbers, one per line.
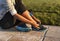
(51,34)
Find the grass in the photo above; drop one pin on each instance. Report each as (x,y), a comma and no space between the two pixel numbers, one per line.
(48,11)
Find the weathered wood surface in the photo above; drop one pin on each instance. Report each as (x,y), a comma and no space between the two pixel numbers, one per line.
(52,34)
(13,35)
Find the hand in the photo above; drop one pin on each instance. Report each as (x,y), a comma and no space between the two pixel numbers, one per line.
(38,21)
(35,25)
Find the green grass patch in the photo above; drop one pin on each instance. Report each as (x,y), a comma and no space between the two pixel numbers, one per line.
(48,11)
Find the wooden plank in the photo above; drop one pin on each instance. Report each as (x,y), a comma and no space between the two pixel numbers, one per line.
(53,34)
(13,35)
(28,36)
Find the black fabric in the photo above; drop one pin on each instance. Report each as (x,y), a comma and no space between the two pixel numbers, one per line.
(20,6)
(7,20)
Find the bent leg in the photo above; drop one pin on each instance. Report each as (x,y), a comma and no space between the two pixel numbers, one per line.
(21,9)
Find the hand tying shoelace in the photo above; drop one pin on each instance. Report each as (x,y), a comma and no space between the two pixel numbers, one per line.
(40,27)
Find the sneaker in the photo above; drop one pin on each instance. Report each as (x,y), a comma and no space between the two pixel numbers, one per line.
(23,28)
(41,28)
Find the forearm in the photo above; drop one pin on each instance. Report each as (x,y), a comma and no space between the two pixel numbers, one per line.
(34,18)
(37,20)
(21,18)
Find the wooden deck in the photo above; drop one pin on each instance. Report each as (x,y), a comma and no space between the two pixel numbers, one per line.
(51,34)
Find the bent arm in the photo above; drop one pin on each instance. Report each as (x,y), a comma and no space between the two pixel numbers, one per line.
(14,13)
(21,18)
